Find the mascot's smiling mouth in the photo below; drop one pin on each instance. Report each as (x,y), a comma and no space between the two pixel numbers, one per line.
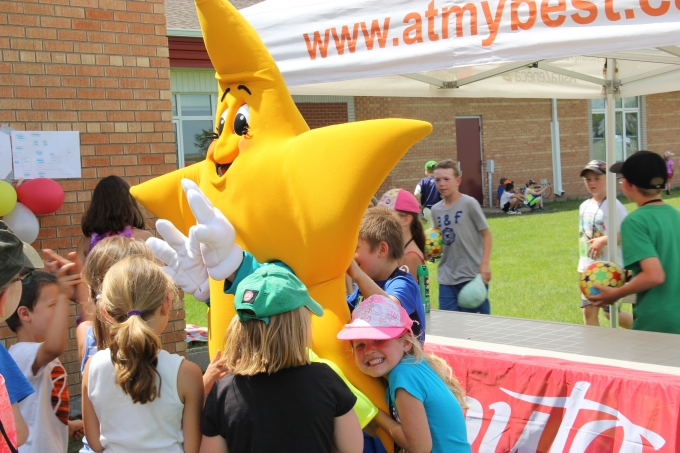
(222,168)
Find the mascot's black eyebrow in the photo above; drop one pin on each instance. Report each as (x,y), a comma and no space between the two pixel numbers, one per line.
(240,87)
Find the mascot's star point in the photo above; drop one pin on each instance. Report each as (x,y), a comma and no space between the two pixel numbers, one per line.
(291,194)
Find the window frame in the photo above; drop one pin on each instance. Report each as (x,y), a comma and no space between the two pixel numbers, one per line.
(617,110)
(178,118)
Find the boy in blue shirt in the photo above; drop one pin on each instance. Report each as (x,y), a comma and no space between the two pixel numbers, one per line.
(501,190)
(375,267)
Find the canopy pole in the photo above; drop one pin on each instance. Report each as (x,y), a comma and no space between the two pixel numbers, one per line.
(556,155)
(610,142)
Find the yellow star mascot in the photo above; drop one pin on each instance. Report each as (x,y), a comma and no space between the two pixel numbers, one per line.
(290,194)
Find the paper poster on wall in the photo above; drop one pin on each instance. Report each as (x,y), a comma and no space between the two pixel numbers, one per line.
(5,156)
(46,154)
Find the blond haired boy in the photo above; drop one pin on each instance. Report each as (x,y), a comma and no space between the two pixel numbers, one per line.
(375,267)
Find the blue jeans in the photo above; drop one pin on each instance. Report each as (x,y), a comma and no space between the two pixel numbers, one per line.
(372,445)
(448,300)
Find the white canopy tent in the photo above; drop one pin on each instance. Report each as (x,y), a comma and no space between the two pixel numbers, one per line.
(417,48)
(566,49)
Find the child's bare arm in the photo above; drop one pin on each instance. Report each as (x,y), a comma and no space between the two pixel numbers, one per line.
(487,242)
(21,426)
(413,434)
(81,338)
(90,419)
(190,390)
(216,444)
(80,293)
(366,285)
(651,275)
(347,437)
(57,330)
(75,429)
(215,371)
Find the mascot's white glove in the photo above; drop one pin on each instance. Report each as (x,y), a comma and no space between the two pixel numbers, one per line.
(182,256)
(221,254)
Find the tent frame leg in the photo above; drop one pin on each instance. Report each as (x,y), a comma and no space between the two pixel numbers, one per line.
(611,88)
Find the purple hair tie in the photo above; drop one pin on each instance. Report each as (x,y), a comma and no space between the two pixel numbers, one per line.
(134,312)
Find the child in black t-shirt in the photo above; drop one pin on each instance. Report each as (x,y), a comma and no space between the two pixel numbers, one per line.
(275,399)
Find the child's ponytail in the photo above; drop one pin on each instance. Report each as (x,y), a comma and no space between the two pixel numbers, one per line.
(134,350)
(439,366)
(133,290)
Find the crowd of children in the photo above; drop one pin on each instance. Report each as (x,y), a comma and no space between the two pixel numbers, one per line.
(139,398)
(265,393)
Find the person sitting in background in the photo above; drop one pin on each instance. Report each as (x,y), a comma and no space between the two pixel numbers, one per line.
(510,200)
(500,191)
(534,197)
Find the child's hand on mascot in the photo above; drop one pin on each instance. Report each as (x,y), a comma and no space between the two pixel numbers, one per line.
(221,254)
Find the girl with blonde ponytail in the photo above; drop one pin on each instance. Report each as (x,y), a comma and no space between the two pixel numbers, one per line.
(136,396)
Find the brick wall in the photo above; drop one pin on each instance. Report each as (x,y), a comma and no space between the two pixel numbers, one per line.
(515,134)
(663,123)
(320,114)
(99,67)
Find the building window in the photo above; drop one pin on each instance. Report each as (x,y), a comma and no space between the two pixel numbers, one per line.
(627,113)
(193,118)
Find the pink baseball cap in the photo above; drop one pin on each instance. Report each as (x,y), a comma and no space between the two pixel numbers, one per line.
(377,318)
(400,200)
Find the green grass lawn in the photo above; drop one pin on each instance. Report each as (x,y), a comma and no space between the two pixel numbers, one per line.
(533,266)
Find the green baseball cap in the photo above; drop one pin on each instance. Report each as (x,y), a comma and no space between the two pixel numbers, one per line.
(15,255)
(430,165)
(271,290)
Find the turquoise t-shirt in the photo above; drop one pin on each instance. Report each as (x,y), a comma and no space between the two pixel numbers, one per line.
(651,231)
(444,414)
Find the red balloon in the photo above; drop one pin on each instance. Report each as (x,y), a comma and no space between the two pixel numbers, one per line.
(41,195)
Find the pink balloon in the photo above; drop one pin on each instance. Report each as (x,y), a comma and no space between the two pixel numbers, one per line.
(41,195)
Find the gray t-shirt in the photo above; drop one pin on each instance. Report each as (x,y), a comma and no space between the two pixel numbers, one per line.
(460,225)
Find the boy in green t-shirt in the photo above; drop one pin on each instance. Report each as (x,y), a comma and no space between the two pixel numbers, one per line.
(650,242)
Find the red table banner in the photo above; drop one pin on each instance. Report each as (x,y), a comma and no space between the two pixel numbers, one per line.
(523,404)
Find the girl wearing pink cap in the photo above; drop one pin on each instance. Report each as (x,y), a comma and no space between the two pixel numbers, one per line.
(424,398)
(408,209)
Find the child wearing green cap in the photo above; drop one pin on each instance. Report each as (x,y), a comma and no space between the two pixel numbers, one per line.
(426,191)
(275,398)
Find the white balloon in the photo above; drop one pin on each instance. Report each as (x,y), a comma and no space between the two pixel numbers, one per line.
(23,222)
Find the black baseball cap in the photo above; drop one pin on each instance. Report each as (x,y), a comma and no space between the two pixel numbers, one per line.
(599,167)
(15,255)
(643,169)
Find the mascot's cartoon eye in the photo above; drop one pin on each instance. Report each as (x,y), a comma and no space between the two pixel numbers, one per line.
(241,120)
(223,119)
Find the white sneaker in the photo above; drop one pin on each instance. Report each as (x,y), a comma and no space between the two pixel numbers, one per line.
(517,212)
(511,212)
